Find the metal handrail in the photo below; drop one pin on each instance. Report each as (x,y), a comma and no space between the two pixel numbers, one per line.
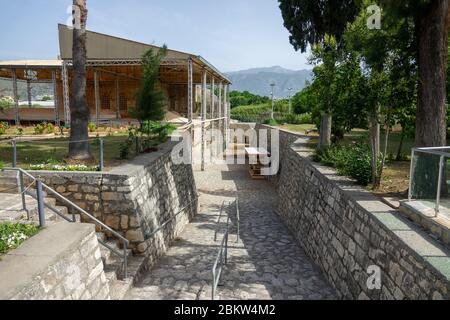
(218,221)
(221,261)
(170,220)
(41,204)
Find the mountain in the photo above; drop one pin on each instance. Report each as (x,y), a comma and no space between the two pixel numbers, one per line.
(258,80)
(41,89)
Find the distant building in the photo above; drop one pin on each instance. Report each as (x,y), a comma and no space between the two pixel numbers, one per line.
(114,72)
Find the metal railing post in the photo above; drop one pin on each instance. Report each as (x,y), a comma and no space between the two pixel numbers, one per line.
(411,172)
(22,194)
(213,291)
(14,157)
(125,260)
(238,217)
(41,206)
(101,156)
(439,187)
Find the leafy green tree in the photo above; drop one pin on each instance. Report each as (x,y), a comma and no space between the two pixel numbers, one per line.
(246,98)
(326,58)
(311,23)
(303,101)
(150,100)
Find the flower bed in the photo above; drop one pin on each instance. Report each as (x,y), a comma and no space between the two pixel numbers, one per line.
(13,235)
(59,167)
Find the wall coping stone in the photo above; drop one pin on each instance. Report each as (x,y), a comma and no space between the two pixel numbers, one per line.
(20,266)
(128,169)
(133,167)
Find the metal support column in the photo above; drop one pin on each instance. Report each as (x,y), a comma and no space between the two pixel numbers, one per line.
(117,99)
(16,97)
(29,95)
(55,98)
(190,90)
(203,118)
(228,113)
(190,100)
(213,114)
(220,106)
(225,114)
(439,187)
(66,94)
(97,98)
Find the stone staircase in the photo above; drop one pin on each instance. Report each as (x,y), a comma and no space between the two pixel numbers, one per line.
(11,210)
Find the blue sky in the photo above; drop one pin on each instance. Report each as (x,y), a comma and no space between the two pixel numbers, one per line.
(231,34)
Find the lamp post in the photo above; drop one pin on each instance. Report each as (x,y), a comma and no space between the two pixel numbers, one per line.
(273,102)
(290,100)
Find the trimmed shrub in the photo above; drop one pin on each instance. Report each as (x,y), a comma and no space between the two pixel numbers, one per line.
(92,127)
(353,161)
(305,118)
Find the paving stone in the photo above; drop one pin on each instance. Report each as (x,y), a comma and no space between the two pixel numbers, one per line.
(266,264)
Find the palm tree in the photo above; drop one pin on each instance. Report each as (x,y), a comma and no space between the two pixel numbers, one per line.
(79,110)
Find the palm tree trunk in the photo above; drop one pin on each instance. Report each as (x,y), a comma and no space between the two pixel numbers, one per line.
(79,148)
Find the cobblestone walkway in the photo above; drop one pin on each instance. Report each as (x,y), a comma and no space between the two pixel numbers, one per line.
(265,264)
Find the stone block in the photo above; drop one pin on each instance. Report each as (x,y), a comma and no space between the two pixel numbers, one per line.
(112,221)
(135,236)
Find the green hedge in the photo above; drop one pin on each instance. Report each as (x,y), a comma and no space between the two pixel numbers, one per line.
(353,161)
(261,114)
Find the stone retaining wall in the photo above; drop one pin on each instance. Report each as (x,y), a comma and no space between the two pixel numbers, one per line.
(136,199)
(346,231)
(62,262)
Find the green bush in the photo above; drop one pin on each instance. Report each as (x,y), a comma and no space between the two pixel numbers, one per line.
(50,128)
(39,128)
(271,122)
(3,127)
(305,118)
(13,234)
(92,127)
(252,113)
(5,104)
(353,161)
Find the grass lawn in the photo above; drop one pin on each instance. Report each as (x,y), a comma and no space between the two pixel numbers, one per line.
(56,150)
(299,128)
(395,180)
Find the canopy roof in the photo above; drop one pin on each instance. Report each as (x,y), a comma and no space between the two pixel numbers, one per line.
(103,48)
(106,50)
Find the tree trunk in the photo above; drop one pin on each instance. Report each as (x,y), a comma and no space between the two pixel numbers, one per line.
(79,110)
(325,131)
(432,35)
(431,124)
(400,146)
(375,146)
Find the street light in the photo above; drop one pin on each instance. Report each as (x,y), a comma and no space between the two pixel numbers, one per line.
(273,102)
(290,100)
